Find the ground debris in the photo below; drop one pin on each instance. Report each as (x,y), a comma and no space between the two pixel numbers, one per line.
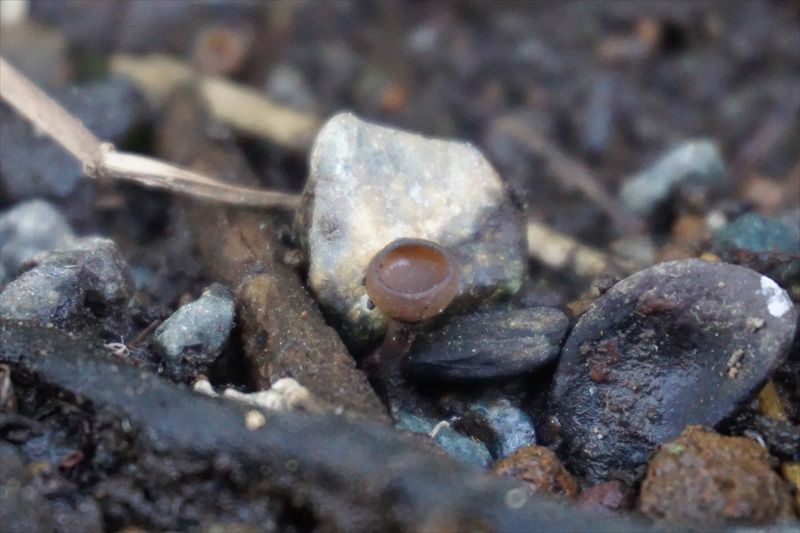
(283,332)
(348,474)
(706,480)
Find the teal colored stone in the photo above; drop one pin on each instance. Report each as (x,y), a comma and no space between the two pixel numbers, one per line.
(762,243)
(458,446)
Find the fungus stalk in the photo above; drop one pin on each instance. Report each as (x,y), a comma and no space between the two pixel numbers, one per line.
(410,281)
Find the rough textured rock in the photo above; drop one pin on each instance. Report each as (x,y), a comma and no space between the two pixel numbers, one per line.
(102,259)
(369,185)
(502,426)
(692,165)
(497,344)
(201,327)
(75,285)
(26,229)
(680,343)
(460,447)
(50,293)
(706,480)
(540,469)
(608,497)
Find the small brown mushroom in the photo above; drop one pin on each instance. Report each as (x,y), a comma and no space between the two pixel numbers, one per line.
(410,280)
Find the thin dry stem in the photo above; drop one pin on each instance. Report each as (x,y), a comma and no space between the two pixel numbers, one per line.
(240,107)
(29,101)
(572,173)
(100,159)
(559,251)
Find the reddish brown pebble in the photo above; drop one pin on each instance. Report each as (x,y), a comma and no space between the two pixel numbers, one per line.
(412,279)
(540,469)
(607,497)
(707,480)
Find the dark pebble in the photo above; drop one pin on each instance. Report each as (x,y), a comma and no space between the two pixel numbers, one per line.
(460,447)
(763,244)
(50,293)
(503,427)
(497,344)
(62,285)
(685,342)
(102,259)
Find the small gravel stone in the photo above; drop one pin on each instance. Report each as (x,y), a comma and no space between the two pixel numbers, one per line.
(694,164)
(50,293)
(709,481)
(26,229)
(67,286)
(200,328)
(497,344)
(503,427)
(457,446)
(541,471)
(761,243)
(102,259)
(369,185)
(664,348)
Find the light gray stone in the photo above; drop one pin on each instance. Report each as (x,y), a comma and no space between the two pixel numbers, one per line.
(51,293)
(27,229)
(693,164)
(68,286)
(102,259)
(201,327)
(369,185)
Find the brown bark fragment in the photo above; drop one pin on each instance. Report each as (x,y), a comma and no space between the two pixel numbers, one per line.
(284,333)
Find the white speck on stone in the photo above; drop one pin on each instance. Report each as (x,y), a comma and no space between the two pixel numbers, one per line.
(778,302)
(516,498)
(254,419)
(438,427)
(416,194)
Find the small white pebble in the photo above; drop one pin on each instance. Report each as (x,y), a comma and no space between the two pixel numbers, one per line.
(203,386)
(254,419)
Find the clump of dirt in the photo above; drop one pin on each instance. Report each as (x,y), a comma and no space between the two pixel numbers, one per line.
(540,469)
(705,479)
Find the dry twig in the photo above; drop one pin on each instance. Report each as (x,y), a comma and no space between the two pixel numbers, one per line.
(100,159)
(559,251)
(243,108)
(572,173)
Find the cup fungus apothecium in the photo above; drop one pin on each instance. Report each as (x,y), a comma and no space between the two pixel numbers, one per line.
(411,280)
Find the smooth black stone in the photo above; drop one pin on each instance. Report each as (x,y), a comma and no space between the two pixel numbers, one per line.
(657,352)
(498,344)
